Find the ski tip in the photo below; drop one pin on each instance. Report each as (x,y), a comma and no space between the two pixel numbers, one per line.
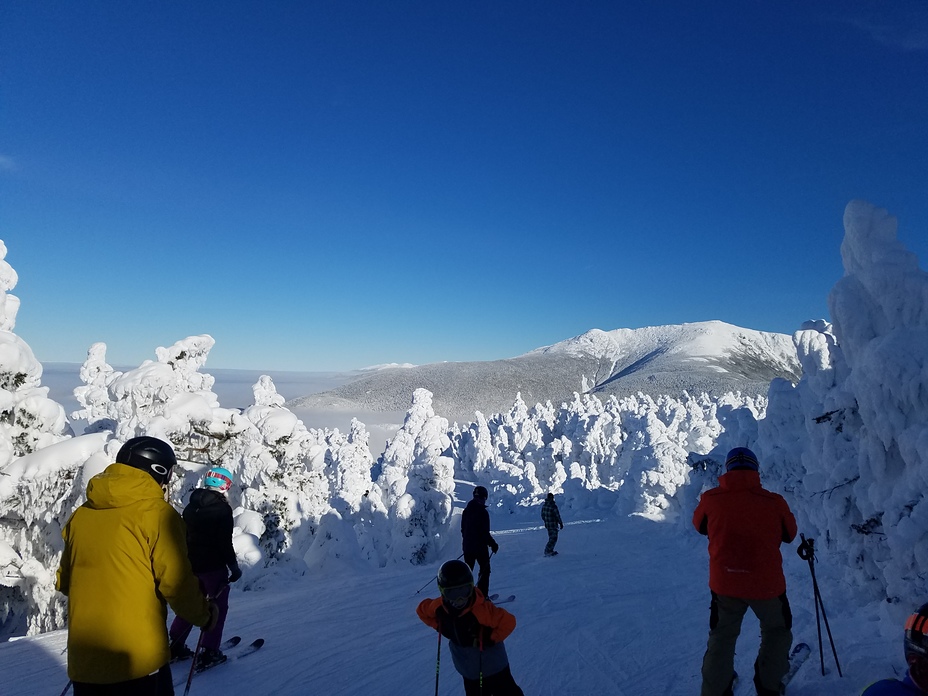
(257,643)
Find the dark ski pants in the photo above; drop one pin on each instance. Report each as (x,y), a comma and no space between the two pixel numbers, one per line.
(156,684)
(213,584)
(776,638)
(499,684)
(482,557)
(552,540)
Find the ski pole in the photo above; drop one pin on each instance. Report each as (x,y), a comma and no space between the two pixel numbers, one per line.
(430,579)
(827,627)
(193,662)
(437,663)
(67,687)
(481,664)
(806,552)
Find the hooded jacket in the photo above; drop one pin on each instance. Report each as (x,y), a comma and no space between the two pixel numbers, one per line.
(124,560)
(209,531)
(476,634)
(745,524)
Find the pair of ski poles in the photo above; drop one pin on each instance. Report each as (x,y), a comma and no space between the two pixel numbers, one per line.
(806,552)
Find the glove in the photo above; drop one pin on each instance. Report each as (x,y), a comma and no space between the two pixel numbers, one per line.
(494,546)
(235,573)
(213,617)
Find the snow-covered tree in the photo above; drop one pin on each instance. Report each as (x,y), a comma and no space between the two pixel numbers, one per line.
(417,482)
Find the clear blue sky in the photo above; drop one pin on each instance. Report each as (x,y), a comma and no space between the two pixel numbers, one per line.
(330,185)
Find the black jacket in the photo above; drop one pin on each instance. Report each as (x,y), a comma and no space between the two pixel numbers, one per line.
(475,527)
(209,531)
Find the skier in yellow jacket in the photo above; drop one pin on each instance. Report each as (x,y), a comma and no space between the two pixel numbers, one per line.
(125,557)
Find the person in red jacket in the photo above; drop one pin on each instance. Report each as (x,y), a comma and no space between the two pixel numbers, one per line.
(746,525)
(475,628)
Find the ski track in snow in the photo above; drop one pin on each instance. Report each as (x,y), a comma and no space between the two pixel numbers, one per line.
(623,609)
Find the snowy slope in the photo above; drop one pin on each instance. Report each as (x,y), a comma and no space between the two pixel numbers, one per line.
(712,357)
(623,610)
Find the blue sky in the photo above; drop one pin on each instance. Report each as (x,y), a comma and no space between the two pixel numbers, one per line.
(331,185)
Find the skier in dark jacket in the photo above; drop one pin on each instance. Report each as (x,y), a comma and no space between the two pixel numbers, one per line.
(475,530)
(915,682)
(551,516)
(475,628)
(209,546)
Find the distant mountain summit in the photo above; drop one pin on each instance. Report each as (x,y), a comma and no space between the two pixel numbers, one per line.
(712,357)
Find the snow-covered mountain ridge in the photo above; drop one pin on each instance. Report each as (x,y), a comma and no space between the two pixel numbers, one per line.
(712,357)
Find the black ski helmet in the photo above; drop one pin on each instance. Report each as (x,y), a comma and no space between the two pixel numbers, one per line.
(149,454)
(916,647)
(456,584)
(481,492)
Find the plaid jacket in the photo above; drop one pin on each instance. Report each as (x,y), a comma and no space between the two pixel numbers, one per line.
(550,515)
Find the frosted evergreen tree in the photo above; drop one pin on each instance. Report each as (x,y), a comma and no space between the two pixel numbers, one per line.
(291,489)
(417,483)
(862,408)
(33,494)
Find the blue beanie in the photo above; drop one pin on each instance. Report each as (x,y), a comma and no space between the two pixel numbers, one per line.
(741,458)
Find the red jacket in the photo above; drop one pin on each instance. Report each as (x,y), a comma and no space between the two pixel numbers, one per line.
(746,525)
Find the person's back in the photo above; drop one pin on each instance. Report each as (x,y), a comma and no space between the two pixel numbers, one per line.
(475,526)
(124,557)
(745,524)
(209,541)
(208,516)
(550,515)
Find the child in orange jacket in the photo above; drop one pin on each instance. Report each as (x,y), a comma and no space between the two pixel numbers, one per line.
(475,628)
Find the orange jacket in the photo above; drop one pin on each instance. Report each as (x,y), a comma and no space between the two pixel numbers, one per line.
(500,622)
(476,635)
(746,525)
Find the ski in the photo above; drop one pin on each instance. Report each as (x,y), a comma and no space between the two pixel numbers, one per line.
(252,647)
(230,643)
(249,649)
(797,656)
(510,598)
(227,644)
(493,597)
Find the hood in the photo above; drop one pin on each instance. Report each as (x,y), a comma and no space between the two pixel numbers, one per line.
(739,480)
(121,485)
(201,497)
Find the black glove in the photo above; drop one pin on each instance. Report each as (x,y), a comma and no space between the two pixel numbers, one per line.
(235,573)
(494,546)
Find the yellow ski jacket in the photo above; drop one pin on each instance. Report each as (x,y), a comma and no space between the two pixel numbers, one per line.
(125,557)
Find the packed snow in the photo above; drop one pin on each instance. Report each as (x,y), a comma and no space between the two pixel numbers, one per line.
(339,544)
